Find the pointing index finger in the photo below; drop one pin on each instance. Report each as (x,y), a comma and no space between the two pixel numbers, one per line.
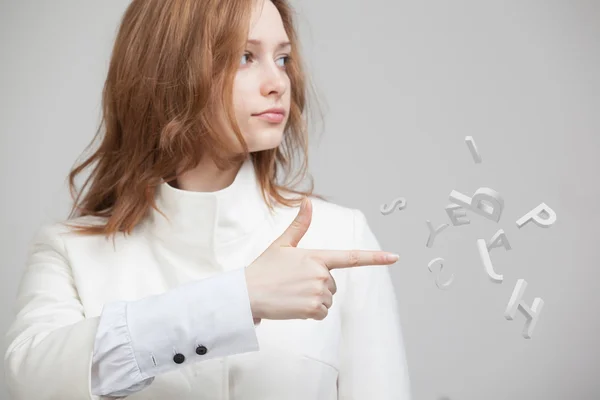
(334,259)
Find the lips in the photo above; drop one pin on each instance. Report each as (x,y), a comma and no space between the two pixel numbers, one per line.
(272,115)
(275,110)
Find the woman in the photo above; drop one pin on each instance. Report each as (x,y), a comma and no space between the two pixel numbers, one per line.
(218,282)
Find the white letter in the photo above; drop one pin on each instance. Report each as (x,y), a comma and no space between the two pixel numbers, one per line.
(400,202)
(442,286)
(487,262)
(536,215)
(453,214)
(478,205)
(473,149)
(516,301)
(434,232)
(499,239)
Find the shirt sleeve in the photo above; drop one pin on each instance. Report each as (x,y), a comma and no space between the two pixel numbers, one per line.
(194,322)
(373,361)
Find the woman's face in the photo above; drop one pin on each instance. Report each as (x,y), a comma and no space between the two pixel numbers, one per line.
(262,82)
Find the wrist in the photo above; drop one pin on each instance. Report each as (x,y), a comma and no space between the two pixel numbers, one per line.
(255,307)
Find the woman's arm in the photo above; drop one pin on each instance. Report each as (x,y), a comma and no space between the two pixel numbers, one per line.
(51,344)
(198,321)
(373,364)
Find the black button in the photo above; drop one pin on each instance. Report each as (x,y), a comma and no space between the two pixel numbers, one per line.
(179,358)
(201,350)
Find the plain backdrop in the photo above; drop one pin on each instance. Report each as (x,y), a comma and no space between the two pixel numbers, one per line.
(402,83)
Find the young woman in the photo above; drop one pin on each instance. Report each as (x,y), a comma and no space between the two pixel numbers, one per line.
(218,282)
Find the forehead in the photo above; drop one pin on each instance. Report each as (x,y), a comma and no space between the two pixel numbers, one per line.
(266,23)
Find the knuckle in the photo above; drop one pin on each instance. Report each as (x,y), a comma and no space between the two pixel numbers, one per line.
(309,312)
(322,275)
(307,258)
(316,304)
(353,258)
(297,223)
(314,259)
(329,304)
(320,289)
(322,315)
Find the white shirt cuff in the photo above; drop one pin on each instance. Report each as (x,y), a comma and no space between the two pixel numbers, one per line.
(197,321)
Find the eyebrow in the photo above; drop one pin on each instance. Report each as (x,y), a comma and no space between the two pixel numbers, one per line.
(279,45)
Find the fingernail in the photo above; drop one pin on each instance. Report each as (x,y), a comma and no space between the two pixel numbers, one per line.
(392,257)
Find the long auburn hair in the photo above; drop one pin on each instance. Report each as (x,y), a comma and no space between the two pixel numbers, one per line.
(170,77)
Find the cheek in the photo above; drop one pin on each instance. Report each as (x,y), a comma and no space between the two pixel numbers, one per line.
(241,111)
(242,104)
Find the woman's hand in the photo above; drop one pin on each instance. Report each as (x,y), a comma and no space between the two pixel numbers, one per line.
(286,282)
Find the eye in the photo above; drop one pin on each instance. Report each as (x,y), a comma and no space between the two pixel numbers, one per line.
(287,60)
(248,57)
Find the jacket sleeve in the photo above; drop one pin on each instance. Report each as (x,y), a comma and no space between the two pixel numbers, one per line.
(51,342)
(373,361)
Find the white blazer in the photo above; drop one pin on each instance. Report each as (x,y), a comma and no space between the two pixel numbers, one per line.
(131,307)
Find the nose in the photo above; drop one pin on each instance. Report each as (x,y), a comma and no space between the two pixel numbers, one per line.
(273,81)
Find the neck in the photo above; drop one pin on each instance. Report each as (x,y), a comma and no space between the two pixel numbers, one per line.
(206,177)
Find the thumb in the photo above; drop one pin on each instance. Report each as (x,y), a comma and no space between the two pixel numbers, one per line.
(292,235)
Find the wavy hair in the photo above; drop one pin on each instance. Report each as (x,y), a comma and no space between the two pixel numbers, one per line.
(170,77)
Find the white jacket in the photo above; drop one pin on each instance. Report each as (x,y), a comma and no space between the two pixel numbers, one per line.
(97,317)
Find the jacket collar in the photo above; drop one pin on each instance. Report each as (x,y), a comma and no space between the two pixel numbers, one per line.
(210,220)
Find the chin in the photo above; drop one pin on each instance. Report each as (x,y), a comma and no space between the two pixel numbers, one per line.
(267,139)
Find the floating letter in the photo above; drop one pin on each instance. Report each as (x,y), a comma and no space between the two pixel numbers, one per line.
(487,262)
(440,260)
(492,210)
(400,202)
(453,211)
(532,314)
(499,239)
(473,149)
(433,233)
(542,215)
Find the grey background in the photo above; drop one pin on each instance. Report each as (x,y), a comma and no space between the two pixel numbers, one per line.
(402,84)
